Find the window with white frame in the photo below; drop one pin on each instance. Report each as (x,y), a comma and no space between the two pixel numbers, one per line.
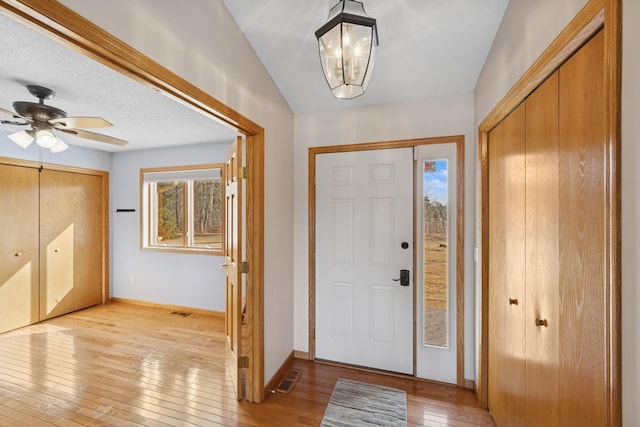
(182,208)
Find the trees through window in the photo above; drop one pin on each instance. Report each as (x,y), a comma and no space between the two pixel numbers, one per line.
(182,208)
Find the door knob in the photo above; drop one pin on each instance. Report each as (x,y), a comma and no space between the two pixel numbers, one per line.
(542,322)
(404,278)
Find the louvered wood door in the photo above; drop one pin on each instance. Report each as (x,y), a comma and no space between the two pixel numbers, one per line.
(19,256)
(507,270)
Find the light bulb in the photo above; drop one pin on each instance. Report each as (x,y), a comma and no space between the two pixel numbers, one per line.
(46,139)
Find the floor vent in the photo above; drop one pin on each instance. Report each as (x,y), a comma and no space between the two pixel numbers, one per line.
(289,381)
(180,313)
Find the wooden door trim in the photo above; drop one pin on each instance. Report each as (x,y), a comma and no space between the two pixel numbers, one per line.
(459,141)
(104,179)
(62,24)
(595,15)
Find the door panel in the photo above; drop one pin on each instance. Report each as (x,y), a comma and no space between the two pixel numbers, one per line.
(363,214)
(583,248)
(542,300)
(233,258)
(57,230)
(70,242)
(507,270)
(19,255)
(87,203)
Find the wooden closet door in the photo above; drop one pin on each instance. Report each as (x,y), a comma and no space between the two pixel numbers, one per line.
(542,230)
(19,256)
(71,242)
(507,270)
(57,255)
(583,246)
(88,240)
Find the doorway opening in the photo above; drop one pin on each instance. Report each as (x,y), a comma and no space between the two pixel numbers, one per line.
(60,23)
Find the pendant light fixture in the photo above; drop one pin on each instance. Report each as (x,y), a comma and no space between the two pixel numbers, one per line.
(347,44)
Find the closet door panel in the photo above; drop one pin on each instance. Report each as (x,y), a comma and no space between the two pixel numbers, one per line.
(71,242)
(19,256)
(87,207)
(507,280)
(583,255)
(497,285)
(57,255)
(542,229)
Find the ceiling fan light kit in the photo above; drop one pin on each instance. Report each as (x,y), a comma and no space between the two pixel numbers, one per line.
(347,44)
(45,120)
(23,138)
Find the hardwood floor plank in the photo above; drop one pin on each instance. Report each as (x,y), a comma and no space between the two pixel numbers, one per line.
(126,365)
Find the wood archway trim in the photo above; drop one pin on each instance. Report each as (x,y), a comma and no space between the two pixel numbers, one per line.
(60,23)
(594,16)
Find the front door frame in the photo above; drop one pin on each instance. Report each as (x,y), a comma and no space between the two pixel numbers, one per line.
(459,141)
(62,24)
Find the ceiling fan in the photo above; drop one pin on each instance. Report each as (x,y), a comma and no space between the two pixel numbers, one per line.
(44,120)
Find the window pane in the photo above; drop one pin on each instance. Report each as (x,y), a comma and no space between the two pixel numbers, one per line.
(435,255)
(207,213)
(170,213)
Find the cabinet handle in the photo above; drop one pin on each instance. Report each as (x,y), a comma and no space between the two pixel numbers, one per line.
(56,250)
(225,265)
(513,301)
(542,322)
(18,254)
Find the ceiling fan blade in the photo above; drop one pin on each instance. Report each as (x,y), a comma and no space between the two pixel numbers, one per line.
(94,136)
(12,114)
(81,122)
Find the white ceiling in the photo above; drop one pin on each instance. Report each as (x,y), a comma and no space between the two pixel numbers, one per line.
(428,48)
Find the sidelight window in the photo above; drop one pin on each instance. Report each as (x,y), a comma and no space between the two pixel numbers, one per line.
(435,255)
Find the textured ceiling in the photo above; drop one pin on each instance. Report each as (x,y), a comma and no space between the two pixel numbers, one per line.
(83,87)
(428,48)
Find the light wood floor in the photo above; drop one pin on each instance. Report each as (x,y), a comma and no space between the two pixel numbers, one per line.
(124,365)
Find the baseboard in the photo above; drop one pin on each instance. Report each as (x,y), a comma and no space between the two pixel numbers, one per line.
(301,355)
(280,373)
(168,307)
(470,384)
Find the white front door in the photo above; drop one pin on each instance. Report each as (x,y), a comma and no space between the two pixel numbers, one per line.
(364,238)
(436,183)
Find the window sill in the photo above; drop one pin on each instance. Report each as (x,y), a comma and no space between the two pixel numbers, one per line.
(199,251)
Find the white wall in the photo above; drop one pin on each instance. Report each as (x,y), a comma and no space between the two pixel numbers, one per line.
(200,41)
(527,29)
(75,156)
(188,280)
(407,120)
